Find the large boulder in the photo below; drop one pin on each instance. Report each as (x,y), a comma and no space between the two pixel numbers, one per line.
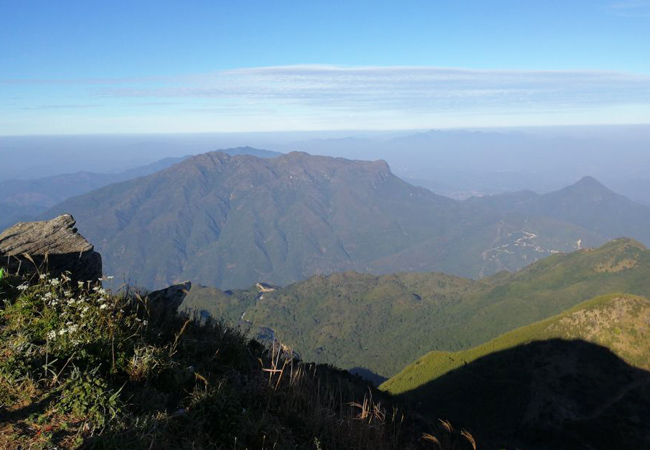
(51,247)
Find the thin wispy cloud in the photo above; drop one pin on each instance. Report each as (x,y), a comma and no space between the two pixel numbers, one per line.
(631,9)
(45,107)
(335,97)
(402,88)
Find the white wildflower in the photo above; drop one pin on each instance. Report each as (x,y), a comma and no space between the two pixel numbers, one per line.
(42,276)
(22,287)
(48,295)
(55,282)
(80,284)
(67,293)
(62,331)
(51,335)
(104,306)
(144,322)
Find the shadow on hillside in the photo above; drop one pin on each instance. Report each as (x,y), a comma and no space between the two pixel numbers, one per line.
(548,394)
(368,375)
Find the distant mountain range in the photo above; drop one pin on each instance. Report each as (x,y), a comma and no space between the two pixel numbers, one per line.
(460,163)
(231,221)
(23,200)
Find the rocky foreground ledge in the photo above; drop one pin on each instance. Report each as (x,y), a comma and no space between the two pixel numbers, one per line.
(52,246)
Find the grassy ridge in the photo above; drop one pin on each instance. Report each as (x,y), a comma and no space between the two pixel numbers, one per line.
(80,368)
(579,380)
(383,323)
(616,321)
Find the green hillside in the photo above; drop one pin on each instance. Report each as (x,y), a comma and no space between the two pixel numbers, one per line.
(616,321)
(383,323)
(578,380)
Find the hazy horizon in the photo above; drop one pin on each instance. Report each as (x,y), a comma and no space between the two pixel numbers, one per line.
(453,162)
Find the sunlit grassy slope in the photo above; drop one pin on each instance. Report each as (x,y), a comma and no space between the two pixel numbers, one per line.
(616,321)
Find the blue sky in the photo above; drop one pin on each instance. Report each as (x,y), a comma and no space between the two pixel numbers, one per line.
(69,67)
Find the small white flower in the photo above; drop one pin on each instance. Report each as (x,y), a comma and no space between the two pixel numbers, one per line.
(67,293)
(55,282)
(51,335)
(80,284)
(48,295)
(144,322)
(104,306)
(42,276)
(22,287)
(62,331)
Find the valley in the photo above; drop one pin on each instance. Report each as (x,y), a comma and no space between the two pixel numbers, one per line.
(382,323)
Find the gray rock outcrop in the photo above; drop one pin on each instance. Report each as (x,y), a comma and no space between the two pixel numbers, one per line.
(164,304)
(52,247)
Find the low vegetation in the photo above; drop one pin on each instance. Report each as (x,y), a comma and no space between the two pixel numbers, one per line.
(383,323)
(578,380)
(616,321)
(80,368)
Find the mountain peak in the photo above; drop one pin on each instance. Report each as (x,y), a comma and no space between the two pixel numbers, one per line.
(589,183)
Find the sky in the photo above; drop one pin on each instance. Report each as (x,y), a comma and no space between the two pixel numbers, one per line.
(85,67)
